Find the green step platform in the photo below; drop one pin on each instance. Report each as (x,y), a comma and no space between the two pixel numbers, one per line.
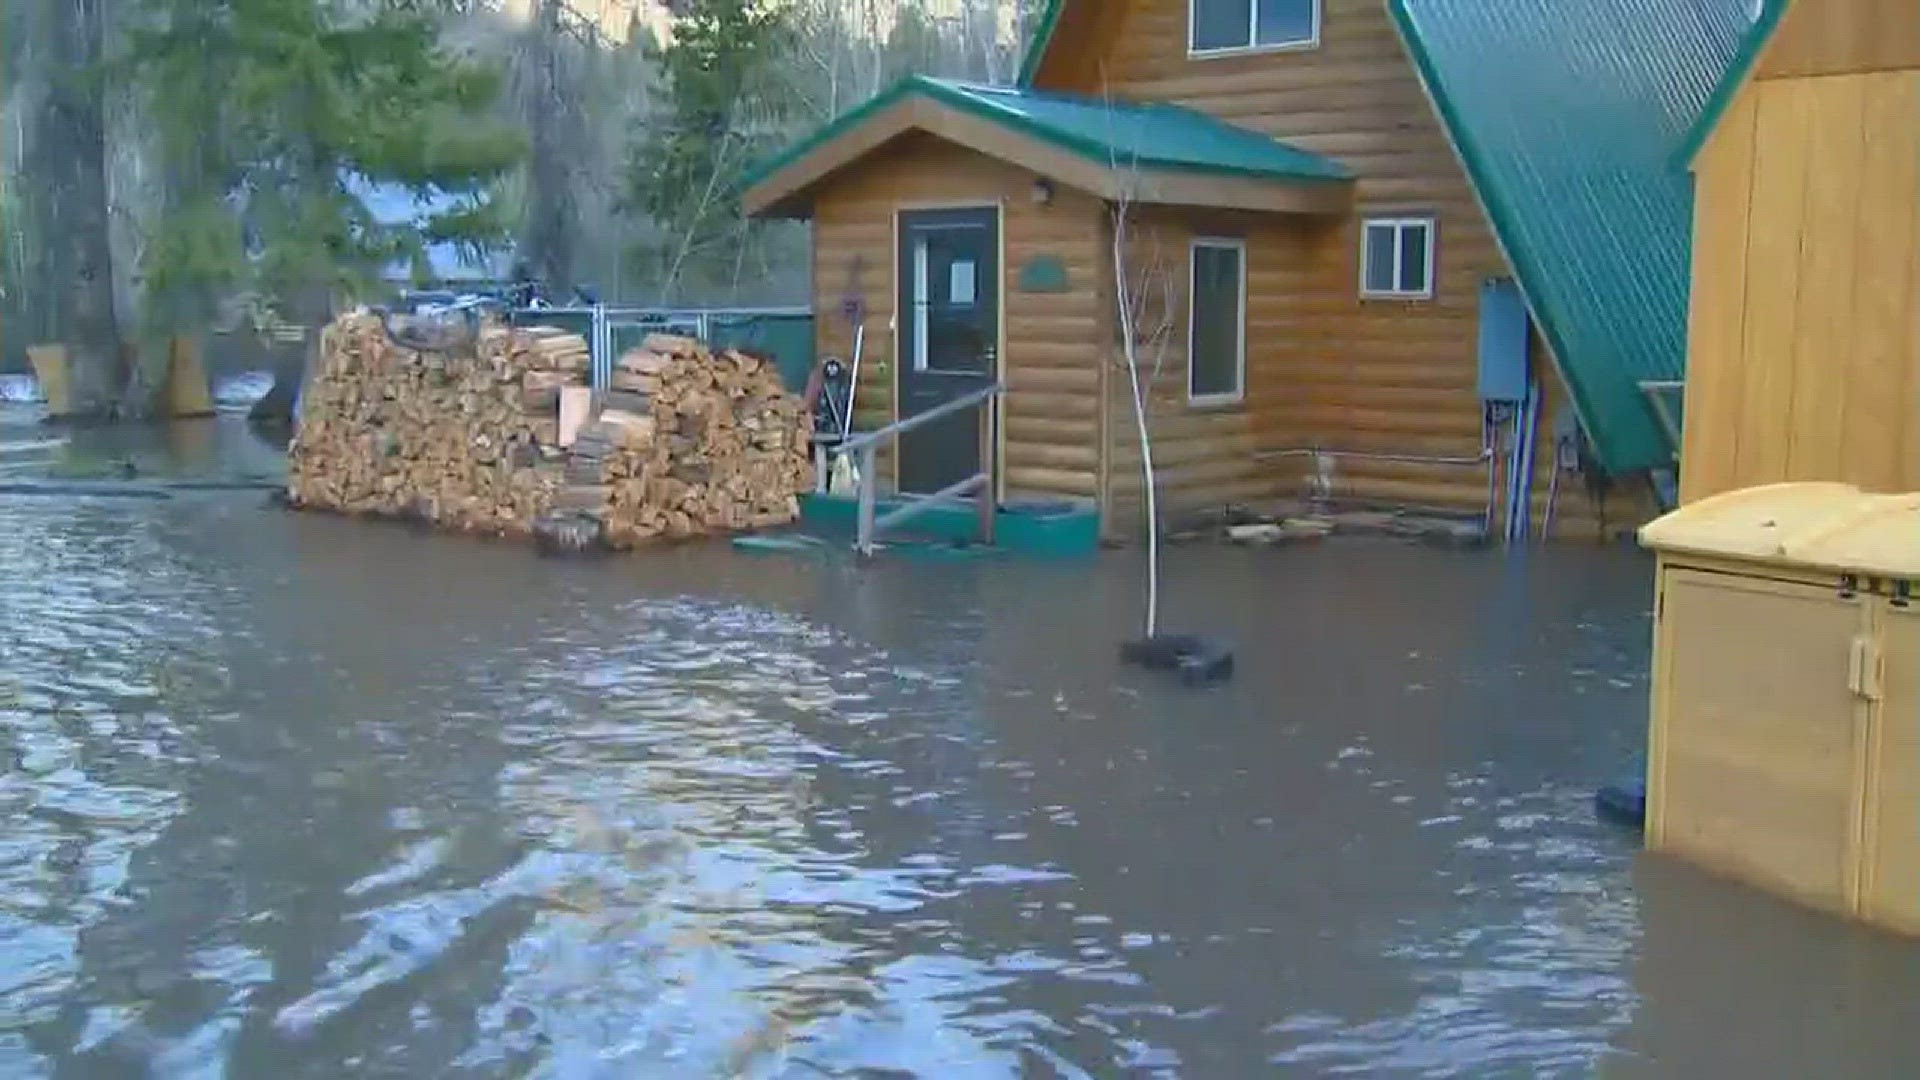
(1025,529)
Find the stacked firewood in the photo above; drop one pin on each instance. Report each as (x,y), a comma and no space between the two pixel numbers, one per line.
(690,443)
(685,443)
(454,436)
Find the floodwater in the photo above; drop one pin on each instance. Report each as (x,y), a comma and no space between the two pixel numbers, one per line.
(295,796)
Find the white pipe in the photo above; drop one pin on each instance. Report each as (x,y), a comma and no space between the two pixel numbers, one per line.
(1522,505)
(1355,455)
(853,380)
(1518,425)
(1490,443)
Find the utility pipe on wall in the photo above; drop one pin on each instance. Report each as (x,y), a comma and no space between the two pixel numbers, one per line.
(1520,466)
(1488,456)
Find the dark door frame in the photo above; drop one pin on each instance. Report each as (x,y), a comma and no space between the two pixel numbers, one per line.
(902,211)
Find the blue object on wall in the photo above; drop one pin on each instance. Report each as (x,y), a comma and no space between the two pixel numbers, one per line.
(1503,342)
(1044,274)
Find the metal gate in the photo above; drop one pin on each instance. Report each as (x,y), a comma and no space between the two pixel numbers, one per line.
(786,333)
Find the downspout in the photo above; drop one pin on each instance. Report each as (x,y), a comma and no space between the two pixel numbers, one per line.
(1520,478)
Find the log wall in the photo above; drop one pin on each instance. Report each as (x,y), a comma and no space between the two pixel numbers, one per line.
(1326,369)
(1052,342)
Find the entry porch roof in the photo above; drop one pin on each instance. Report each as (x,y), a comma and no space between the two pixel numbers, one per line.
(1149,153)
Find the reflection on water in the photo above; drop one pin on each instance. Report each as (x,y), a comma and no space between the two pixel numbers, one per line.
(235,391)
(242,390)
(224,447)
(298,796)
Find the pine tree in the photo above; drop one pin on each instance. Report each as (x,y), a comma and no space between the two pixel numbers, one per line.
(276,117)
(724,77)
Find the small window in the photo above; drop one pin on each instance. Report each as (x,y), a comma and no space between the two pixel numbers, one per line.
(1236,25)
(1396,258)
(1217,323)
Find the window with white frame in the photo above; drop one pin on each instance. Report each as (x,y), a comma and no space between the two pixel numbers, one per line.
(1233,25)
(1396,258)
(1217,322)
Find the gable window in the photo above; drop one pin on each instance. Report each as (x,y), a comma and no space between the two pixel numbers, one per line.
(1232,25)
(1396,258)
(1217,323)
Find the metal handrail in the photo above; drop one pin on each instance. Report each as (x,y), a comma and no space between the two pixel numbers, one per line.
(868,443)
(1670,425)
(898,428)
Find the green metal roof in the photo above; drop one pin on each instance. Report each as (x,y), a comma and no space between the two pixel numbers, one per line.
(1568,114)
(1042,37)
(1146,136)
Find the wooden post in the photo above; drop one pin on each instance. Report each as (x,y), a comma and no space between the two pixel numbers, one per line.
(51,369)
(186,391)
(987,501)
(864,541)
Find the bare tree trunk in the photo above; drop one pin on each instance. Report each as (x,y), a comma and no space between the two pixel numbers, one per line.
(551,210)
(311,308)
(72,144)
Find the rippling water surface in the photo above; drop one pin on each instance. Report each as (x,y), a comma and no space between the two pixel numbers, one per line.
(295,796)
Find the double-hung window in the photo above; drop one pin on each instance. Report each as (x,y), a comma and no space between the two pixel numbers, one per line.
(1396,258)
(1216,26)
(1217,323)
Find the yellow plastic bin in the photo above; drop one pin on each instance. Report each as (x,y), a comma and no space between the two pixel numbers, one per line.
(1785,741)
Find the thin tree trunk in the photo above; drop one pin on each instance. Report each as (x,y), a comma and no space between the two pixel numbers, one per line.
(551,211)
(73,142)
(1130,348)
(311,308)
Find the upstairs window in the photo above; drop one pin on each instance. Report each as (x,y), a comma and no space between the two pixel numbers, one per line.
(1238,25)
(1396,258)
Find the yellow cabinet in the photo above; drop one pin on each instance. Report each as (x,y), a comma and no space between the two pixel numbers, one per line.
(1785,740)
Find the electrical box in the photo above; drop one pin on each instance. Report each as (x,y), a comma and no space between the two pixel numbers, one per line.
(1503,342)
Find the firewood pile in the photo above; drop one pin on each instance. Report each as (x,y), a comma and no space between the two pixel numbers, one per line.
(686,442)
(690,443)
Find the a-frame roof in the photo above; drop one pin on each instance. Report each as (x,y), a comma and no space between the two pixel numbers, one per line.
(1567,115)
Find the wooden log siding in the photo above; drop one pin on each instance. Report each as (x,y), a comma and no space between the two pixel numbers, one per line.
(1325,368)
(1052,341)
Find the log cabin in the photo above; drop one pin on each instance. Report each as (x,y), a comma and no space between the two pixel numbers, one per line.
(1804,359)
(1396,253)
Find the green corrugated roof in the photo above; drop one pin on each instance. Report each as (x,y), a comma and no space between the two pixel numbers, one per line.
(1042,37)
(1149,136)
(1568,114)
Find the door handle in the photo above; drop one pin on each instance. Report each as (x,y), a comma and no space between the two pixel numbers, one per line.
(1864,669)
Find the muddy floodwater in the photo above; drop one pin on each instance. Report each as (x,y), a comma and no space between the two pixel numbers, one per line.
(291,796)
